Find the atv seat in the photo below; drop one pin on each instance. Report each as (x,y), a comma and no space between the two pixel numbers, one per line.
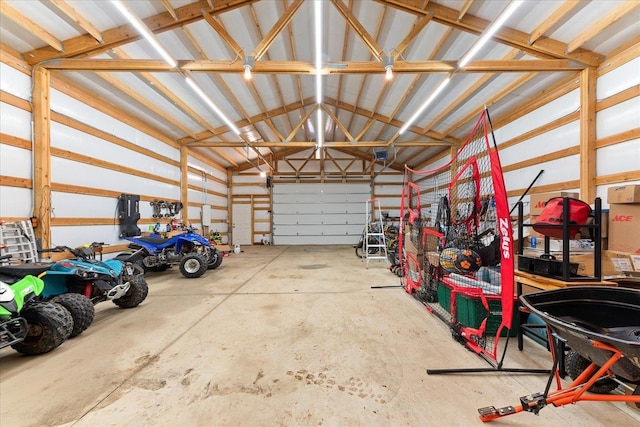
(153,240)
(21,270)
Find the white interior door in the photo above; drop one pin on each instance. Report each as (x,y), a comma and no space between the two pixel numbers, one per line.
(241,227)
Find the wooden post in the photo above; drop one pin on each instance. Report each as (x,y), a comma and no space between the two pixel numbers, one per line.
(588,134)
(184,183)
(42,154)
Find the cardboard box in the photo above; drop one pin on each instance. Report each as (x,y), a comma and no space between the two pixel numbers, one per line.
(537,201)
(616,263)
(624,194)
(624,228)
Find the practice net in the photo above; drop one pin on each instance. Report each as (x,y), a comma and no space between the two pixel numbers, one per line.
(458,244)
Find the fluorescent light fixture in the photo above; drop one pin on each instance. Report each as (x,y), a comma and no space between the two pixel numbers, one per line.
(320,134)
(263,173)
(426,103)
(489,32)
(146,33)
(211,105)
(317,9)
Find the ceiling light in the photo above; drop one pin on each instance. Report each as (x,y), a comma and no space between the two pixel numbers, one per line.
(489,32)
(263,173)
(387,63)
(248,63)
(146,33)
(433,96)
(212,105)
(320,137)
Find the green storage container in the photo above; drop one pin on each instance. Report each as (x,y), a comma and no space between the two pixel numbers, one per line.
(470,312)
(444,296)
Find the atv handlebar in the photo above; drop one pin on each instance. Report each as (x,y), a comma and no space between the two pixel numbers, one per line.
(84,252)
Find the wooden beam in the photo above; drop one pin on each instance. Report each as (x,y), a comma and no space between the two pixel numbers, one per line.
(184,178)
(277,28)
(329,144)
(26,23)
(464,9)
(42,154)
(300,123)
(602,24)
(417,28)
(351,19)
(117,84)
(544,47)
(223,33)
(170,9)
(86,45)
(339,124)
(82,22)
(307,68)
(588,173)
(558,15)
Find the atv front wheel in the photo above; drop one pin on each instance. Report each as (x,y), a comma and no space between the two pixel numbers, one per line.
(81,310)
(193,265)
(138,290)
(50,325)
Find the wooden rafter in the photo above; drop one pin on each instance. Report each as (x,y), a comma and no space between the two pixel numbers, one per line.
(169,8)
(418,26)
(142,100)
(76,17)
(561,13)
(405,97)
(274,32)
(544,47)
(304,118)
(86,45)
(495,98)
(602,24)
(223,33)
(373,57)
(468,93)
(307,68)
(26,23)
(464,9)
(359,29)
(339,124)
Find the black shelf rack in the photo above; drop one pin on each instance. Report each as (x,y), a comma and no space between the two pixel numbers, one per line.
(595,228)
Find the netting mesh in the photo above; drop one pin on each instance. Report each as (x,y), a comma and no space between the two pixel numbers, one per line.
(457,243)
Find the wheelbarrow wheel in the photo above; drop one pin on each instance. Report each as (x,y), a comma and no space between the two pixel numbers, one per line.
(575,364)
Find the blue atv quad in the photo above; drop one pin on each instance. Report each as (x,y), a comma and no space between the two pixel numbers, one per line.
(28,324)
(78,284)
(191,251)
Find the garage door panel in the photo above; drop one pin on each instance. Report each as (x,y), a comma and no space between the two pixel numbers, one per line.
(318,240)
(356,218)
(319,213)
(318,230)
(319,208)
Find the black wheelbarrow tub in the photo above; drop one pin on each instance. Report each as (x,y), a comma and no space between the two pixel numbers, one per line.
(583,314)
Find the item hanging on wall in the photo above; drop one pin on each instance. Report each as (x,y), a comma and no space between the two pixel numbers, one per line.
(129,214)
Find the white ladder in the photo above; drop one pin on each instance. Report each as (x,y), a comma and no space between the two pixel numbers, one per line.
(19,240)
(375,244)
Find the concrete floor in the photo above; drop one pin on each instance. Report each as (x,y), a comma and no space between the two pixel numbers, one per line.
(277,336)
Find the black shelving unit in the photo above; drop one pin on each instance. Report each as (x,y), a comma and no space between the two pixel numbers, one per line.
(595,227)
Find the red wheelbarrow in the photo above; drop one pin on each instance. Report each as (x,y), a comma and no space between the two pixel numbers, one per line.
(600,323)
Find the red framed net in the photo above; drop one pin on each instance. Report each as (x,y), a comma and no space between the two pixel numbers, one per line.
(458,245)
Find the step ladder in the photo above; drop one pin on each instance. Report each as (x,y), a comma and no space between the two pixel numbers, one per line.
(375,243)
(19,240)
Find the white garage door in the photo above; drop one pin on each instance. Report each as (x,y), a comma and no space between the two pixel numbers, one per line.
(319,214)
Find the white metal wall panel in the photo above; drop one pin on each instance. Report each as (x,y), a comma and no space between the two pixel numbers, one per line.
(15,202)
(319,214)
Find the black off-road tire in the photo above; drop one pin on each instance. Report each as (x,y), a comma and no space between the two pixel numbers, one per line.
(81,310)
(159,268)
(214,260)
(50,325)
(193,265)
(575,364)
(138,291)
